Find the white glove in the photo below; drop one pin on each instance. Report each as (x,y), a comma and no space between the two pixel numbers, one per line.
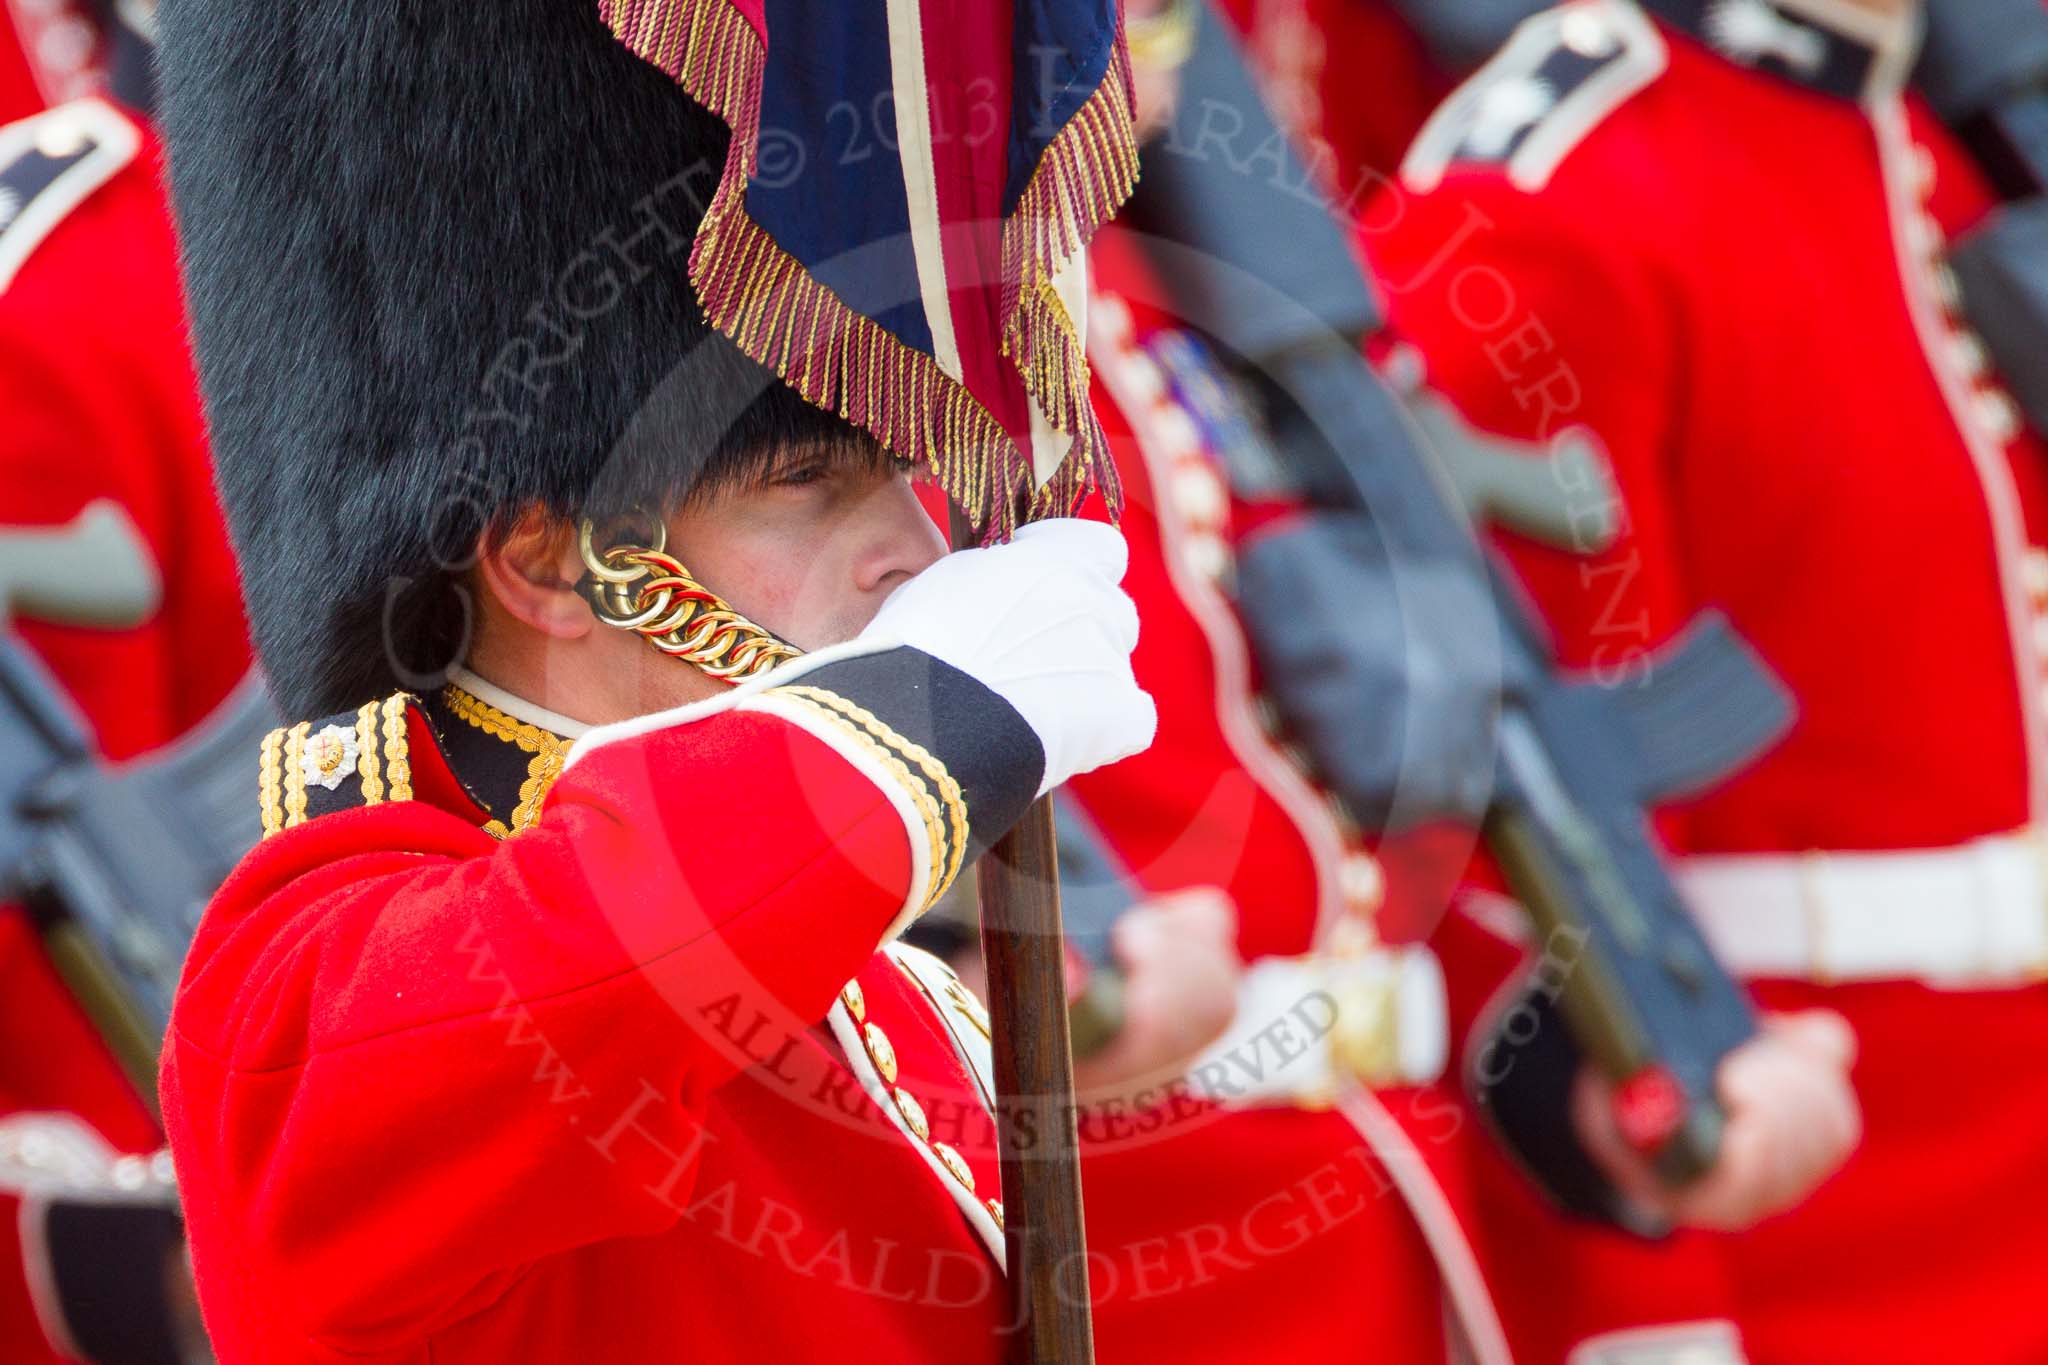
(1041,623)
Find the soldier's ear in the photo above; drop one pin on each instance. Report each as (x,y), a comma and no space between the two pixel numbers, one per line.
(530,568)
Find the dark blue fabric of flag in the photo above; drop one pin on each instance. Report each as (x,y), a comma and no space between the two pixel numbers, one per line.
(1062,53)
(829,187)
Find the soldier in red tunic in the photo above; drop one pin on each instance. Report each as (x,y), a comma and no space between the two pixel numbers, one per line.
(102,408)
(104,447)
(1308,1155)
(1320,1143)
(558,1016)
(51,52)
(1321,1140)
(1713,234)
(1352,81)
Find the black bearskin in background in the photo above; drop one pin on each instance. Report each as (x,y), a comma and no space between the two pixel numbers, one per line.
(426,293)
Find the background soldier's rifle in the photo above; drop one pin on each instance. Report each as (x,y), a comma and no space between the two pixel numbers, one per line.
(1558,772)
(1985,70)
(1095,891)
(115,862)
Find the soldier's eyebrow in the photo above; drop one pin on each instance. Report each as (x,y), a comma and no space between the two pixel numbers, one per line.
(850,455)
(832,455)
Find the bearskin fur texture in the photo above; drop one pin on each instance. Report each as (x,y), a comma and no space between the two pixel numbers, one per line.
(436,257)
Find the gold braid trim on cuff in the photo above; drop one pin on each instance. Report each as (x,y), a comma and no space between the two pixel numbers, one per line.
(646,590)
(944,864)
(942,782)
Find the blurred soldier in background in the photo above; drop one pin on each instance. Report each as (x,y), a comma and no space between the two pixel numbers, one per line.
(1351,80)
(1226,1188)
(51,52)
(1317,1152)
(1745,307)
(100,404)
(1354,80)
(1713,233)
(1308,1156)
(102,450)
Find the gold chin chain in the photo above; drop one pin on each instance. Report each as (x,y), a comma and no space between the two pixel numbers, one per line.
(644,589)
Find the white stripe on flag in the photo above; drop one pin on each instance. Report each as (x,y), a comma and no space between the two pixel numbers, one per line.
(920,180)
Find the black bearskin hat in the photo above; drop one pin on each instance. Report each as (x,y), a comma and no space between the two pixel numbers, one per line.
(436,258)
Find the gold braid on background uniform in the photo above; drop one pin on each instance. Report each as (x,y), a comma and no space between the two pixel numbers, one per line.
(644,589)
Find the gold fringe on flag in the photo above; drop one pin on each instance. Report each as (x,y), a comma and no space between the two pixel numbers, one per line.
(1084,175)
(840,359)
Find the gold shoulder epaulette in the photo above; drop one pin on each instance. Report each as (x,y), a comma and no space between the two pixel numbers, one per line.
(356,758)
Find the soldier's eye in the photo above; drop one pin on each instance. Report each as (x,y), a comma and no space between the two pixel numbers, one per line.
(798,475)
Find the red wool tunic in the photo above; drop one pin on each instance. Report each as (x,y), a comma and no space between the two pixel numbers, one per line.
(1728,264)
(632,1083)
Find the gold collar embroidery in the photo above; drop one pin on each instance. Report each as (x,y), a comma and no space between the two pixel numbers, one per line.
(548,751)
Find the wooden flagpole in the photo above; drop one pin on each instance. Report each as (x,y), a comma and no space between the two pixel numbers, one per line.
(1024,951)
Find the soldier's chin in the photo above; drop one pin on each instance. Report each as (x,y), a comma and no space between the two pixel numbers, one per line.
(840,628)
